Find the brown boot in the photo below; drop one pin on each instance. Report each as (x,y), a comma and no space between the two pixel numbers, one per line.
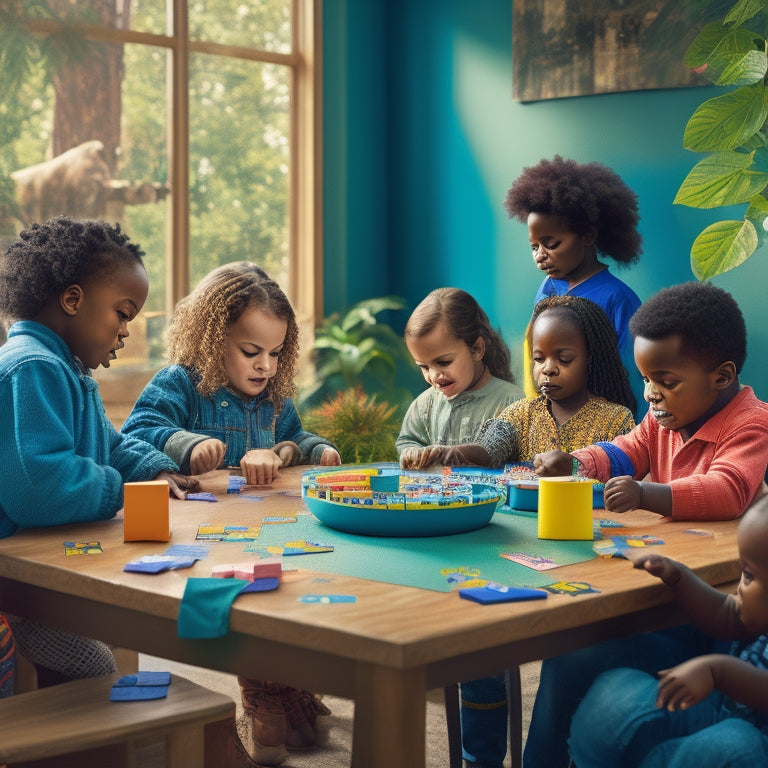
(262,728)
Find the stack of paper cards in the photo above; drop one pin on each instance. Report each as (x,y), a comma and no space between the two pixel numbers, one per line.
(142,686)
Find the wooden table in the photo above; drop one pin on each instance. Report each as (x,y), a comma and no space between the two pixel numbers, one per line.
(385,651)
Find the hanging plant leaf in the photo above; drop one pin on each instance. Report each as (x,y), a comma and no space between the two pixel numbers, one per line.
(744,10)
(726,122)
(721,247)
(722,178)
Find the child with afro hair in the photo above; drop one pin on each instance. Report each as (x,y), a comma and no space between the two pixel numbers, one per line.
(578,214)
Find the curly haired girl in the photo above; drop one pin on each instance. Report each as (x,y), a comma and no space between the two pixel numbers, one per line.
(225,400)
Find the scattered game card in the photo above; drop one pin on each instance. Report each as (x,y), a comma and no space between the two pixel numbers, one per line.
(300,547)
(616,546)
(236,533)
(572,588)
(200,496)
(82,548)
(499,594)
(326,599)
(142,686)
(531,561)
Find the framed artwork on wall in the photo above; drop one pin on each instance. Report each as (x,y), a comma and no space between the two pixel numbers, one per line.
(564,48)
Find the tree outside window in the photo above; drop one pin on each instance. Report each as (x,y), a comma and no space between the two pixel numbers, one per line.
(188,122)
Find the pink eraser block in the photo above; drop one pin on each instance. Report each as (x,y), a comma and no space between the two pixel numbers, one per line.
(268,567)
(244,571)
(223,571)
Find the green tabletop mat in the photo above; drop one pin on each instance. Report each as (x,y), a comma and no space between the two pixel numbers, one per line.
(428,562)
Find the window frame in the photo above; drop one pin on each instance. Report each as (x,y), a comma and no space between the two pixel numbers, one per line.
(305,288)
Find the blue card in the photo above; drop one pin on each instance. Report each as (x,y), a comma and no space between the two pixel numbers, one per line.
(486,595)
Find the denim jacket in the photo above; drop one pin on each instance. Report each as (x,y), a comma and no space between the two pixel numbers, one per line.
(174,417)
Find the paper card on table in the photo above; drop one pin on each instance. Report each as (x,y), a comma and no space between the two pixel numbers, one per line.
(82,548)
(200,496)
(187,550)
(326,599)
(226,533)
(531,561)
(487,595)
(572,588)
(301,547)
(616,546)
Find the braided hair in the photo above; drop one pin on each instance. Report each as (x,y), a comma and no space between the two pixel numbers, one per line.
(586,197)
(606,376)
(465,319)
(197,333)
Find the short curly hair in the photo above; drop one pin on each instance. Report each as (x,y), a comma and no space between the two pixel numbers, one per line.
(47,258)
(585,196)
(707,319)
(466,320)
(197,333)
(606,375)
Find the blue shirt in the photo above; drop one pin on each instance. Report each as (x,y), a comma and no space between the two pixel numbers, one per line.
(174,417)
(61,460)
(619,302)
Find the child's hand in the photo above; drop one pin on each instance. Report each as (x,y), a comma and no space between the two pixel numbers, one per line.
(179,485)
(288,451)
(206,455)
(657,565)
(260,466)
(421,458)
(553,464)
(622,494)
(686,684)
(330,458)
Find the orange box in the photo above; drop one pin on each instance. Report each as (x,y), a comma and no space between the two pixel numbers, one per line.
(146,511)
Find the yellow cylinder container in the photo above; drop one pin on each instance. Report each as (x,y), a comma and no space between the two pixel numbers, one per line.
(565,508)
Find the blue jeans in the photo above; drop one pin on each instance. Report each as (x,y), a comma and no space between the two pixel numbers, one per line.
(565,680)
(618,724)
(484,721)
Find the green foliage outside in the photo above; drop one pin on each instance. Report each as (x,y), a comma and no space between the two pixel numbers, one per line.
(730,52)
(239,137)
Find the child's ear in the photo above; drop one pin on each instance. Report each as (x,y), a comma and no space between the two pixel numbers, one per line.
(478,348)
(71,299)
(590,236)
(725,375)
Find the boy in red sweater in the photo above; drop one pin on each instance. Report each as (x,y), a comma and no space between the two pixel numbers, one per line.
(704,444)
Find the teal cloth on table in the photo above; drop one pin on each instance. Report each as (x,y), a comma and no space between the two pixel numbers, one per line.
(427,562)
(205,606)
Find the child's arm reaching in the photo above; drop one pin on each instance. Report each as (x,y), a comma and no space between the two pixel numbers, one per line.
(471,454)
(206,456)
(692,681)
(713,612)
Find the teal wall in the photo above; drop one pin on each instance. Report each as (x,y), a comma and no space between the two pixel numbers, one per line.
(422,138)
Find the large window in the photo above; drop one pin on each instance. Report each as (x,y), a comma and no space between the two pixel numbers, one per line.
(192,123)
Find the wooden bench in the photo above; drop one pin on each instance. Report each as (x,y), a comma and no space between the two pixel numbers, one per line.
(75,724)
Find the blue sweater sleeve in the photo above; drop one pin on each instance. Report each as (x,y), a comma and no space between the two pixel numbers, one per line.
(54,451)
